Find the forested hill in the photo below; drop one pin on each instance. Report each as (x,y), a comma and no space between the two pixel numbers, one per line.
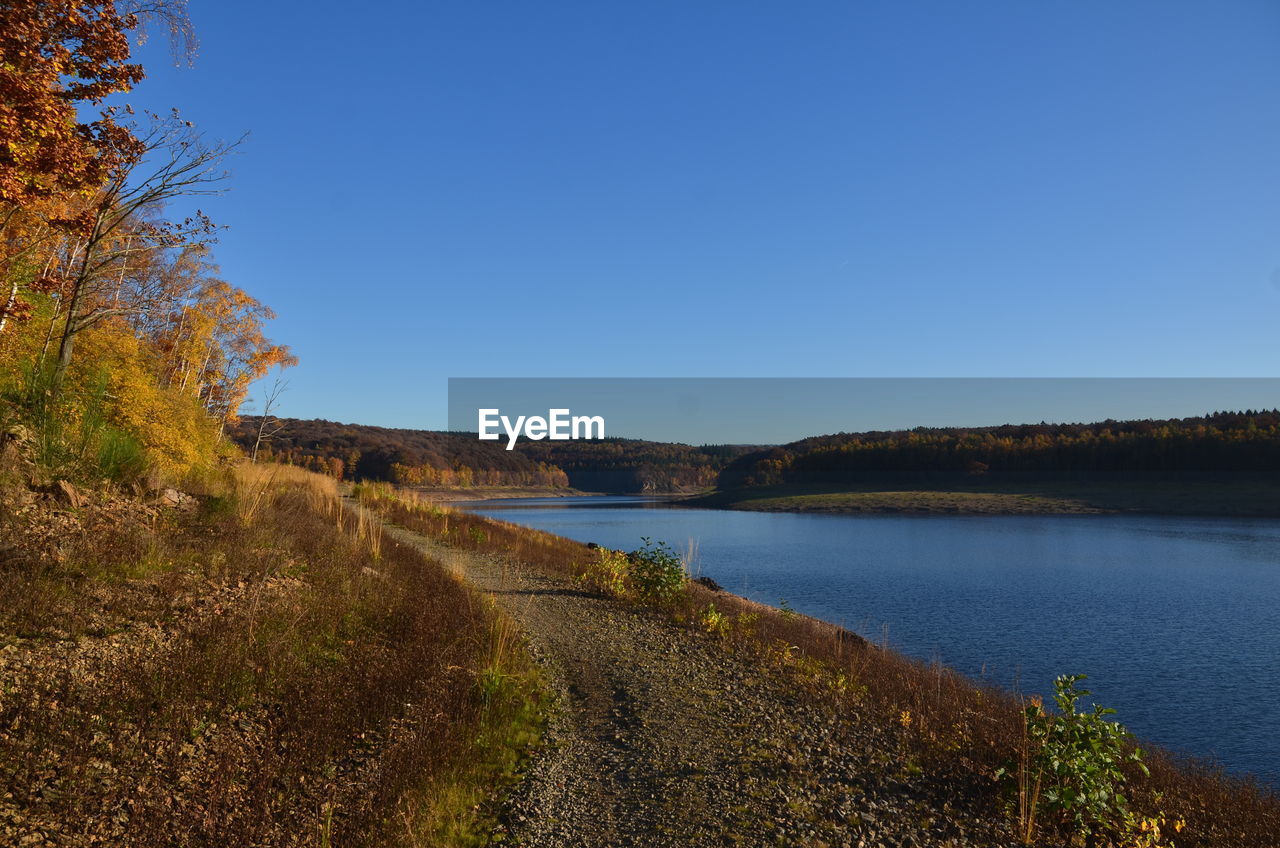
(409,457)
(633,465)
(1222,442)
(433,458)
(1230,442)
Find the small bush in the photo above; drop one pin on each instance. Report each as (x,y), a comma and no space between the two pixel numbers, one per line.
(653,574)
(714,621)
(608,572)
(1073,764)
(657,573)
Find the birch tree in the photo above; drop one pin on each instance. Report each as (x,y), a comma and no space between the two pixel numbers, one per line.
(170,160)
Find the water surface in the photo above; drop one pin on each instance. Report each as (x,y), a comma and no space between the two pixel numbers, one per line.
(1175,620)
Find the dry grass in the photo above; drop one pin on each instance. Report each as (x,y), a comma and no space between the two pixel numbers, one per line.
(959,731)
(259,484)
(266,666)
(461,807)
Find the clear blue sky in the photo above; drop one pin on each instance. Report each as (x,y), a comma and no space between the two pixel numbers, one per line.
(742,189)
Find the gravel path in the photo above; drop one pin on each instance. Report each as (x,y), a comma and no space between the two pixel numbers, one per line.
(664,738)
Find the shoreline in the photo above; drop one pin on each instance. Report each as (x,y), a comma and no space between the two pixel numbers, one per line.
(441,494)
(463,496)
(1215,499)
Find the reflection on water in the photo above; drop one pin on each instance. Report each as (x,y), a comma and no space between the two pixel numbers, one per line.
(1176,621)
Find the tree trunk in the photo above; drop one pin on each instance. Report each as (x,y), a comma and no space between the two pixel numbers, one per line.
(13,288)
(68,341)
(9,304)
(257,443)
(70,329)
(48,336)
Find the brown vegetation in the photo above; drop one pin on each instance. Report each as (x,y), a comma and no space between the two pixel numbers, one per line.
(256,661)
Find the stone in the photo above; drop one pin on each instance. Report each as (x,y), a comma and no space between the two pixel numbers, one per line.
(68,494)
(18,434)
(172,497)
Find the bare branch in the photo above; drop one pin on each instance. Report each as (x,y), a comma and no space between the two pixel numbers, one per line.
(269,425)
(172,17)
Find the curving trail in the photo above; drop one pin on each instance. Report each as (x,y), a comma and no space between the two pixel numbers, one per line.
(664,738)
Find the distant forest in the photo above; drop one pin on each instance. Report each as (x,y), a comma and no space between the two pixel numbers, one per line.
(1230,442)
(408,457)
(632,465)
(432,458)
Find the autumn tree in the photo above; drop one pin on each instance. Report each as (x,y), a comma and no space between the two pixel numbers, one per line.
(166,349)
(215,347)
(169,160)
(56,58)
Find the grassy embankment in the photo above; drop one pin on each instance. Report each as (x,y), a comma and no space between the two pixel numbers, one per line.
(1240,495)
(959,732)
(259,667)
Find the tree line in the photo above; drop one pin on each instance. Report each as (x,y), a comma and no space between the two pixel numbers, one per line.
(407,457)
(1247,441)
(635,465)
(434,458)
(1221,442)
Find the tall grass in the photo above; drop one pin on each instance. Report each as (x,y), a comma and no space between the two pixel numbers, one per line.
(461,807)
(74,437)
(259,674)
(259,485)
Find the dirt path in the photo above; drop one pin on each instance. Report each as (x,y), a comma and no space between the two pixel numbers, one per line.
(663,738)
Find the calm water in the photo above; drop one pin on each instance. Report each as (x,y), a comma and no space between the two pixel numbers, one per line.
(1176,621)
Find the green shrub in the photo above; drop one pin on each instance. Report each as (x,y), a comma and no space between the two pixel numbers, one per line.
(652,574)
(608,572)
(657,574)
(715,622)
(1073,766)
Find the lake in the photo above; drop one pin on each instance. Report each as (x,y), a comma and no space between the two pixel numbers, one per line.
(1175,620)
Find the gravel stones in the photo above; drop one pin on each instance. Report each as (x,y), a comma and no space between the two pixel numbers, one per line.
(665,738)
